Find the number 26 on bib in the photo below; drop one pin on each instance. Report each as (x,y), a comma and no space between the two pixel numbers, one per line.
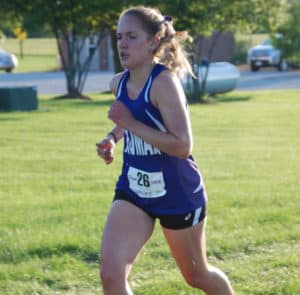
(146,184)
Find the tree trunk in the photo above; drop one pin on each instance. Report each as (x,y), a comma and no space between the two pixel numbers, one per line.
(118,67)
(204,78)
(194,92)
(207,62)
(74,66)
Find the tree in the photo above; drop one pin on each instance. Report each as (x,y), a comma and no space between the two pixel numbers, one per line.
(21,36)
(72,23)
(287,35)
(201,18)
(9,19)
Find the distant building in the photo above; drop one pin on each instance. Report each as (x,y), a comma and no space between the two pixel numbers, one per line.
(223,49)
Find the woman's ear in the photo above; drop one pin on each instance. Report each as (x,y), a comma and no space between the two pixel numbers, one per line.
(155,42)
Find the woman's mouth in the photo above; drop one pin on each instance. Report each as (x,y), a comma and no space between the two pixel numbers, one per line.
(123,56)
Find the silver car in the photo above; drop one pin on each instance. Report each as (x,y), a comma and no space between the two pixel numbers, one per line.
(8,61)
(265,55)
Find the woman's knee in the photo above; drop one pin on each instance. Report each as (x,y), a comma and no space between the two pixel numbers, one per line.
(107,278)
(210,280)
(112,275)
(197,279)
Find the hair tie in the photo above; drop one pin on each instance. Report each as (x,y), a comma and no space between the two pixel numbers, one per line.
(168,18)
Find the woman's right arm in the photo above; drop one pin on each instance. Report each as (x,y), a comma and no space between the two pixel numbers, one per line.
(105,148)
(116,132)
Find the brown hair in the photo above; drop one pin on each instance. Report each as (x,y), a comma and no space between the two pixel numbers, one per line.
(170,51)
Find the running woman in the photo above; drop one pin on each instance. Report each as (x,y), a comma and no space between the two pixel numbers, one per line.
(159,178)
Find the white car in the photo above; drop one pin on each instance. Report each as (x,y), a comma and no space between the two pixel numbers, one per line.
(265,55)
(8,61)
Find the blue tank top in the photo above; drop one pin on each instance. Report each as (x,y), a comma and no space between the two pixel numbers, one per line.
(157,182)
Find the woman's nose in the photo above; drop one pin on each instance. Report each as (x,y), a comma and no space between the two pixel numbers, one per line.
(123,43)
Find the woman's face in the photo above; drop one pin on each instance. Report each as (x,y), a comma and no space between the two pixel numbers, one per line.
(133,42)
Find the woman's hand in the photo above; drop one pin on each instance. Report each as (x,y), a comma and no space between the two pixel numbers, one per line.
(120,115)
(105,149)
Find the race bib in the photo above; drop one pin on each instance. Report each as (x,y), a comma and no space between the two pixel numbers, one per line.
(146,184)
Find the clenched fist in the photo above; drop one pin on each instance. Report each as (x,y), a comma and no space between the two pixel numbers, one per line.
(105,149)
(120,115)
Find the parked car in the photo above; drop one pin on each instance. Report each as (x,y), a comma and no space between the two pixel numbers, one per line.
(8,61)
(265,55)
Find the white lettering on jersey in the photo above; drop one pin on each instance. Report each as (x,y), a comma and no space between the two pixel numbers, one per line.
(136,146)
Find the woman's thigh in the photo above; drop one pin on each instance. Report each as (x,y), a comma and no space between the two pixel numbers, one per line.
(126,231)
(188,247)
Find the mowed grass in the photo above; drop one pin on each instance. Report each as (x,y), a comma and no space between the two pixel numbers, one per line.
(39,54)
(55,194)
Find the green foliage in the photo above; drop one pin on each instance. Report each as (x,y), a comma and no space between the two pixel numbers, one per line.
(287,36)
(55,194)
(240,52)
(9,20)
(204,17)
(37,28)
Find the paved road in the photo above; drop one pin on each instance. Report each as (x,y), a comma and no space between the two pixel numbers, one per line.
(269,79)
(54,82)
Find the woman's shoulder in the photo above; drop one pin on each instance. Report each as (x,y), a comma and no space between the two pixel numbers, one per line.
(114,82)
(165,79)
(166,87)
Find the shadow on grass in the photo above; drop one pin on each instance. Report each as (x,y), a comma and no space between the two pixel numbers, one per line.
(93,103)
(47,251)
(232,98)
(8,118)
(222,98)
(14,114)
(53,104)
(85,254)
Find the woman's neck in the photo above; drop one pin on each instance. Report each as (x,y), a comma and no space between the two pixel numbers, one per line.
(138,76)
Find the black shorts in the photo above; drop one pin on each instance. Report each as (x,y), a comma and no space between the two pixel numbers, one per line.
(179,221)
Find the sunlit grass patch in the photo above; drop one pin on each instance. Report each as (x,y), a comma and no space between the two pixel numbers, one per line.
(55,194)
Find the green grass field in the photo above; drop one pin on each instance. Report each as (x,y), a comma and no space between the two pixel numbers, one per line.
(55,194)
(39,54)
